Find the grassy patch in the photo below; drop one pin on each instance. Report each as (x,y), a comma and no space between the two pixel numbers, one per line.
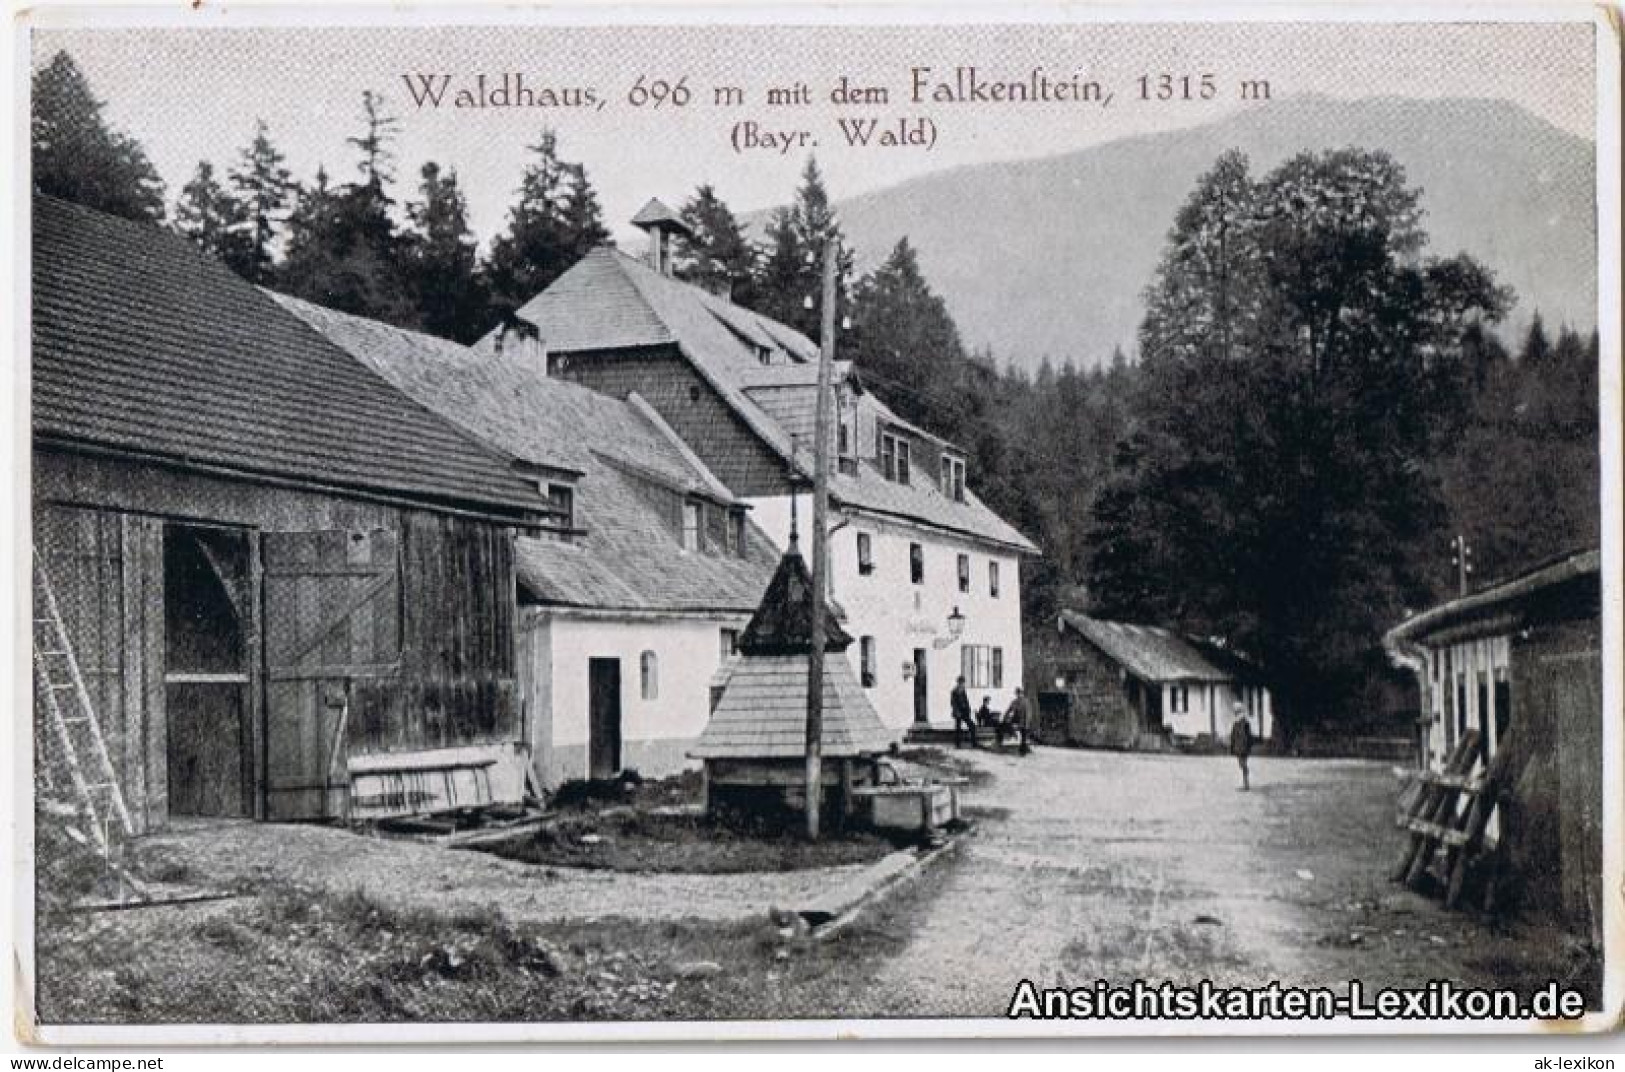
(298,955)
(683,843)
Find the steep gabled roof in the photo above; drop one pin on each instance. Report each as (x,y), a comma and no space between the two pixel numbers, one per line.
(782,624)
(1151,653)
(610,301)
(143,343)
(628,557)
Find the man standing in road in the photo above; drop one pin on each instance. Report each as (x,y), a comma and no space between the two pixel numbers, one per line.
(1015,722)
(1241,741)
(959,702)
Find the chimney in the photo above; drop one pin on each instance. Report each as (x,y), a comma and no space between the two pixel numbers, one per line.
(518,341)
(661,223)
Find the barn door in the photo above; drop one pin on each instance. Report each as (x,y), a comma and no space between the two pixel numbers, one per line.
(332,616)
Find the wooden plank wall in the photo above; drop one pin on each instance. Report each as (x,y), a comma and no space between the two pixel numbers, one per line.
(457,683)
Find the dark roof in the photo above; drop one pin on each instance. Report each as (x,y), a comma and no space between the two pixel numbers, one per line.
(1149,652)
(143,343)
(609,301)
(762,713)
(628,555)
(782,624)
(1570,584)
(657,212)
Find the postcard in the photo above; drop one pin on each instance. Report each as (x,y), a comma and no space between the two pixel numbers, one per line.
(585,522)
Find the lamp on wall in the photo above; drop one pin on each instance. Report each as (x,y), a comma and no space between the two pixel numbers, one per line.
(956,624)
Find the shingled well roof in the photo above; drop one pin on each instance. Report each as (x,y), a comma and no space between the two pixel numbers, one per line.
(628,556)
(143,343)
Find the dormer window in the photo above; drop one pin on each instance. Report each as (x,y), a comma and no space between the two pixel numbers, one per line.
(735,532)
(953,477)
(894,457)
(764,355)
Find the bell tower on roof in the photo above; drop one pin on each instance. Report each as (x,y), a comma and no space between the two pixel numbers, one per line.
(660,222)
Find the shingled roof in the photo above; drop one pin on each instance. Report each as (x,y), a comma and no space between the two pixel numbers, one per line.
(782,624)
(610,301)
(628,555)
(762,713)
(1152,653)
(142,343)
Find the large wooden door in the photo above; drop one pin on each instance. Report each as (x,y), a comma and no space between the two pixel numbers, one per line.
(603,717)
(332,616)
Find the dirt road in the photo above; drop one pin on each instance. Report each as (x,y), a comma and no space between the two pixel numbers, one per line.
(1089,865)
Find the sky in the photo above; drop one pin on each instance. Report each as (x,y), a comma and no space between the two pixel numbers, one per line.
(189,94)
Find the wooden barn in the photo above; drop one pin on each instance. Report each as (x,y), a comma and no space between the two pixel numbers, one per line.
(268,560)
(1519,664)
(1103,684)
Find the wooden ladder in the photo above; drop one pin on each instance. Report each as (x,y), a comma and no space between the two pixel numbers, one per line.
(82,751)
(1433,818)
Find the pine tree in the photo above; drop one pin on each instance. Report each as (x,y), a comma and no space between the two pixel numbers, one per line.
(718,257)
(343,248)
(211,217)
(792,264)
(555,222)
(266,189)
(440,259)
(903,340)
(77,156)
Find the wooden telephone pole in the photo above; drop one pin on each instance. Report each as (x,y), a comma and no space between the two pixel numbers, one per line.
(820,545)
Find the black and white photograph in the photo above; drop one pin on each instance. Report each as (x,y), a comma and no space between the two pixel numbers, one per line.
(576,522)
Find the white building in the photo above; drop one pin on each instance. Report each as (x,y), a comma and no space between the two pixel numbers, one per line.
(629,606)
(927,577)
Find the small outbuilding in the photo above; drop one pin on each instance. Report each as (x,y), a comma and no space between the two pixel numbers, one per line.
(1105,684)
(755,745)
(1520,664)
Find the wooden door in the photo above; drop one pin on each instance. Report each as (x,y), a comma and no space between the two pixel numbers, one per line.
(603,718)
(922,689)
(332,616)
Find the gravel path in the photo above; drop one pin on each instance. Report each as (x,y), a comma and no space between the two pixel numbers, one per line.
(1091,865)
(417,874)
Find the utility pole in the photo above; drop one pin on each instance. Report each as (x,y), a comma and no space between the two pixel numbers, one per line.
(1461,556)
(820,542)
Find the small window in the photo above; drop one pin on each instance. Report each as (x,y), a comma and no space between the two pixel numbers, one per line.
(964,573)
(691,526)
(866,657)
(730,644)
(562,498)
(902,461)
(998,668)
(764,355)
(866,554)
(736,531)
(916,563)
(993,579)
(1179,699)
(649,669)
(953,477)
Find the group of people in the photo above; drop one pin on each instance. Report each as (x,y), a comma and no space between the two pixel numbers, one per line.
(1011,723)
